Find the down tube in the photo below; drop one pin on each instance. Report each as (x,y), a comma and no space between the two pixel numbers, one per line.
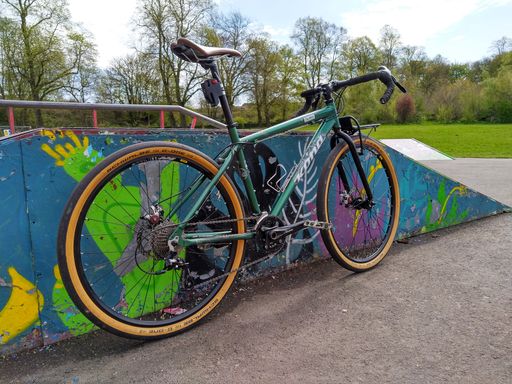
(311,150)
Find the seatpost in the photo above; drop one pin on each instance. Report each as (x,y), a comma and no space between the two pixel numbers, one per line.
(223,98)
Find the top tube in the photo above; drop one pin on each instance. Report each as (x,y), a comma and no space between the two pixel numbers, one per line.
(328,112)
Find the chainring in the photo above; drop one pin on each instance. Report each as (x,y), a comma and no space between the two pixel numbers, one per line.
(263,227)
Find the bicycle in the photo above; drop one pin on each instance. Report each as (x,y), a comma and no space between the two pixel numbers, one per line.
(177,226)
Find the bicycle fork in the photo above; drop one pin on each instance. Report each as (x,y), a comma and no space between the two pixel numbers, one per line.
(368,202)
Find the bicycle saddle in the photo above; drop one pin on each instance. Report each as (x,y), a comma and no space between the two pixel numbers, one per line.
(187,50)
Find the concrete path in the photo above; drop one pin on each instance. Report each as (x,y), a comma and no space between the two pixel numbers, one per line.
(492,177)
(437,310)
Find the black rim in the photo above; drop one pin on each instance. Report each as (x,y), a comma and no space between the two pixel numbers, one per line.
(366,216)
(81,270)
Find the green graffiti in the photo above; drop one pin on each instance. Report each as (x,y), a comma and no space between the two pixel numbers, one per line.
(112,238)
(76,156)
(75,322)
(446,217)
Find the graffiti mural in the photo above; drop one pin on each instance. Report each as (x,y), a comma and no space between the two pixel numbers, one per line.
(39,170)
(268,174)
(22,307)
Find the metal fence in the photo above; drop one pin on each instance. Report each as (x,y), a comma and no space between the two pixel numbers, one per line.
(95,107)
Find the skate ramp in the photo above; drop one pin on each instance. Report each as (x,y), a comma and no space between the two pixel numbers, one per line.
(40,168)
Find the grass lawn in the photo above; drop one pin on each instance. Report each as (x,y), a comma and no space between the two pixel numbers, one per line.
(456,140)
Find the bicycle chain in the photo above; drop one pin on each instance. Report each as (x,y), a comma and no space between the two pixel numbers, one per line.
(212,222)
(241,268)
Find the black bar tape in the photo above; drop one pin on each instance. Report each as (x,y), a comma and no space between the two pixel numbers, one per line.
(387,95)
(305,108)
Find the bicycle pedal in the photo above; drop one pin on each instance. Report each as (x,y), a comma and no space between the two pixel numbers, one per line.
(317,224)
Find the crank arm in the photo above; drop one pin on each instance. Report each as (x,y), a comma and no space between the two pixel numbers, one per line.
(278,233)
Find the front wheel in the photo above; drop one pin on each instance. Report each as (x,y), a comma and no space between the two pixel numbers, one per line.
(359,238)
(113,249)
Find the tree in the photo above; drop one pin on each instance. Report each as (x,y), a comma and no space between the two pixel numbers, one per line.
(288,76)
(498,93)
(360,56)
(319,46)
(82,81)
(41,61)
(162,22)
(264,62)
(502,45)
(458,72)
(11,83)
(389,45)
(232,31)
(412,61)
(132,79)
(436,75)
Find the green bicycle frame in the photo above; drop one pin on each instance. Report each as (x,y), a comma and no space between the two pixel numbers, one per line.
(328,118)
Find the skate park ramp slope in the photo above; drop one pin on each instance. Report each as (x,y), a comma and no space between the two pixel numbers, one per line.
(40,168)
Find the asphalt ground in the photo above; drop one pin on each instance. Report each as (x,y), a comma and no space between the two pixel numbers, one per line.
(438,309)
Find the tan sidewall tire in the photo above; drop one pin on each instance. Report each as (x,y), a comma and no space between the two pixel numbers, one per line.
(71,273)
(323,192)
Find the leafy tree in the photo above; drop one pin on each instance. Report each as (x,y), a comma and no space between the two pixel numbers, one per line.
(360,55)
(264,62)
(389,45)
(162,22)
(458,72)
(41,60)
(132,79)
(232,31)
(288,77)
(319,46)
(12,85)
(498,93)
(436,75)
(82,81)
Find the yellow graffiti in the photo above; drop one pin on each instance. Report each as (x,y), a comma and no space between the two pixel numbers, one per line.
(461,189)
(373,171)
(22,308)
(58,278)
(62,152)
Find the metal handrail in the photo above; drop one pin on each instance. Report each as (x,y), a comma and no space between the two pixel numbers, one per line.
(11,104)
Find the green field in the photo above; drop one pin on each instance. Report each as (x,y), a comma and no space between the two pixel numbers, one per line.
(456,140)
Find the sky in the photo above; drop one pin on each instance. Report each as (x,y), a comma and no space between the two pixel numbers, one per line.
(460,30)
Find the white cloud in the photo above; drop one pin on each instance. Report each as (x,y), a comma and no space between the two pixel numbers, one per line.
(110,22)
(278,34)
(281,35)
(417,21)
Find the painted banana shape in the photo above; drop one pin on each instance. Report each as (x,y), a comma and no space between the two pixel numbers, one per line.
(22,307)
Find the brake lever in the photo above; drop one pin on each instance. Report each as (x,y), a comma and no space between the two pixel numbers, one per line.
(315,102)
(400,86)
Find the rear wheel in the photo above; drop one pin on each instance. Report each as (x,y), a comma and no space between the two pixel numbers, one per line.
(113,241)
(359,237)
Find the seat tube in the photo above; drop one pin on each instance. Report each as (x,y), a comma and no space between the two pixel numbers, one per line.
(235,139)
(249,186)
